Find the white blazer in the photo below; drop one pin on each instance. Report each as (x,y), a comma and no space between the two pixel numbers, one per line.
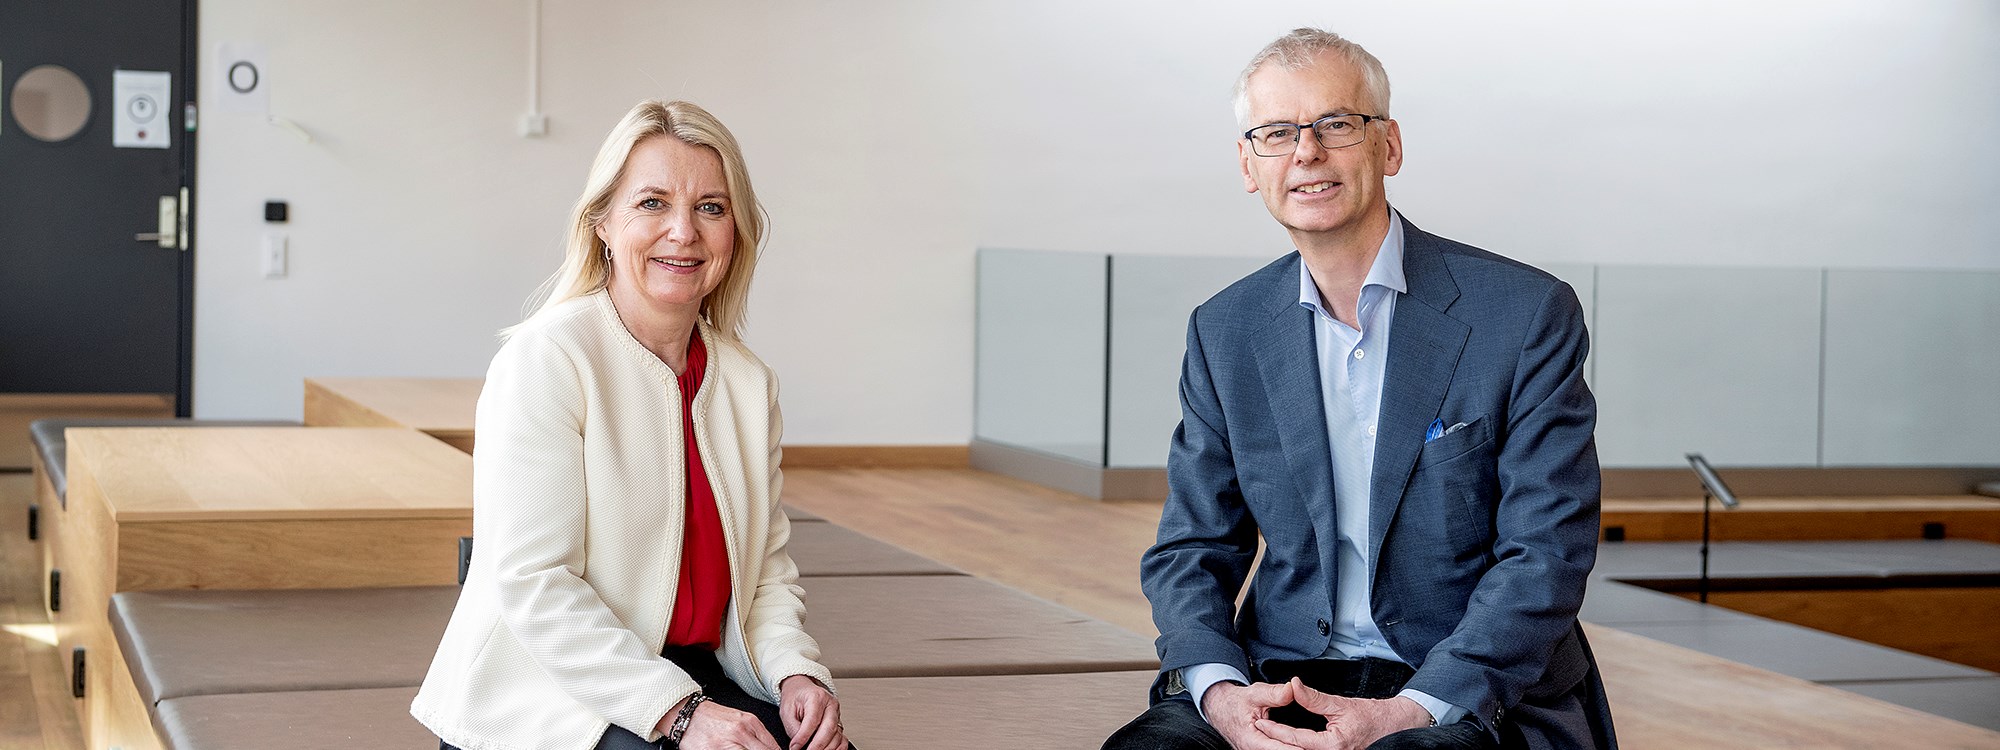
(578,490)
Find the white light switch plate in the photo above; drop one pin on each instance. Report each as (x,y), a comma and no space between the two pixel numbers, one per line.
(275,252)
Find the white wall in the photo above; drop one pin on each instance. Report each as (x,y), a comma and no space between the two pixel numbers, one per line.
(889,139)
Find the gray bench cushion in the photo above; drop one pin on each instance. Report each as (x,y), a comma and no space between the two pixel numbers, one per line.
(47,435)
(974,713)
(1991,489)
(1801,652)
(889,713)
(183,643)
(824,549)
(372,718)
(916,626)
(1974,700)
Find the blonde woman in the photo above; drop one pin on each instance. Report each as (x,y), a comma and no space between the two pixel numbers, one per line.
(630,586)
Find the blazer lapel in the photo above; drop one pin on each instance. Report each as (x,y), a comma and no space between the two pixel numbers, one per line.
(1424,347)
(1288,360)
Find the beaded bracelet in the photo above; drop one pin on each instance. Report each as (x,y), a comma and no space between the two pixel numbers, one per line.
(682,719)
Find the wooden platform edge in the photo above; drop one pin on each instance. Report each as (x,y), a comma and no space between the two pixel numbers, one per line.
(1802,481)
(325,407)
(877,456)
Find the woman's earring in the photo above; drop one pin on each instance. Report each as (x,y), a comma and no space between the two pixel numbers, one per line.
(607,251)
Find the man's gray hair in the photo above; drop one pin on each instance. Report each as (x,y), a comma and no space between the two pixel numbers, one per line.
(1297,51)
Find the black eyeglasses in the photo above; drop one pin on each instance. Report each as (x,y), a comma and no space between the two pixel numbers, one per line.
(1332,131)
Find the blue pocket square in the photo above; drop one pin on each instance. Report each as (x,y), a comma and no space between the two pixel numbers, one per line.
(1438,430)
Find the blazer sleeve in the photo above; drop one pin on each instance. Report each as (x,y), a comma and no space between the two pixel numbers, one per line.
(777,617)
(1545,527)
(1207,538)
(528,488)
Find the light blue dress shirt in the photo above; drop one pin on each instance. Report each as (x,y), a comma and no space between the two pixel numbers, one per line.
(1351,365)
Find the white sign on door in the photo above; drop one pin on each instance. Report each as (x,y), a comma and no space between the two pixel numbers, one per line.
(139,105)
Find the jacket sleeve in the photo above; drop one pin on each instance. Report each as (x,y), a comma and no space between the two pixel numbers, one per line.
(1207,539)
(777,617)
(528,490)
(1545,527)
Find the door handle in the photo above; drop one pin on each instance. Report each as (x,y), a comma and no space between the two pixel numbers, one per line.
(169,224)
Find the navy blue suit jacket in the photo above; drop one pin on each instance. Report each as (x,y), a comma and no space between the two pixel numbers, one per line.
(1482,539)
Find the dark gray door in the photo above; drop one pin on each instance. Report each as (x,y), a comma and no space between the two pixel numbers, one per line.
(92,300)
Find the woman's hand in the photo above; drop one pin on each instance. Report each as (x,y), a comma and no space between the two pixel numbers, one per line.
(811,714)
(719,727)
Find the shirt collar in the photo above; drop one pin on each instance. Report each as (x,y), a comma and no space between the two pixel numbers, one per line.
(1387,271)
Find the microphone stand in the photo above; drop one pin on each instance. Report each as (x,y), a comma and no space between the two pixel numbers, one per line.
(1712,488)
(1702,588)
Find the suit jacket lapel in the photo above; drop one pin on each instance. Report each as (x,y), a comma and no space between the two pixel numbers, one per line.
(1424,346)
(1288,360)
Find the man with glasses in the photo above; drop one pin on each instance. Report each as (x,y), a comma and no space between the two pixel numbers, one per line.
(1402,421)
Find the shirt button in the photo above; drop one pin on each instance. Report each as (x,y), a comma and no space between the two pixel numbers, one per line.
(1357,353)
(1371,430)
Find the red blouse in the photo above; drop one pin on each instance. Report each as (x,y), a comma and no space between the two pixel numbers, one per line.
(703,597)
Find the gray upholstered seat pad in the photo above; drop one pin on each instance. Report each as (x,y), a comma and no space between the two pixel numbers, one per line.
(975,713)
(824,549)
(368,718)
(183,643)
(47,435)
(909,626)
(1973,700)
(889,713)
(1991,489)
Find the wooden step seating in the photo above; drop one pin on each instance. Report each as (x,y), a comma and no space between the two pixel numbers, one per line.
(49,451)
(297,652)
(166,508)
(198,650)
(440,407)
(197,661)
(51,447)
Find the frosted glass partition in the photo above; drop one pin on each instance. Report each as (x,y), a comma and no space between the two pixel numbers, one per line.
(1582,278)
(1151,298)
(1040,352)
(1723,361)
(1912,368)
(1080,354)
(1056,328)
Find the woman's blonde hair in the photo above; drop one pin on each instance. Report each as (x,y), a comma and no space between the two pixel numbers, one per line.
(584,269)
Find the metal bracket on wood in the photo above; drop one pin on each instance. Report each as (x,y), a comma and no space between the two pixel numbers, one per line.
(76,672)
(464,558)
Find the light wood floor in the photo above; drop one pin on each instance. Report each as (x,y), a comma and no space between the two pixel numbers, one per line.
(1076,551)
